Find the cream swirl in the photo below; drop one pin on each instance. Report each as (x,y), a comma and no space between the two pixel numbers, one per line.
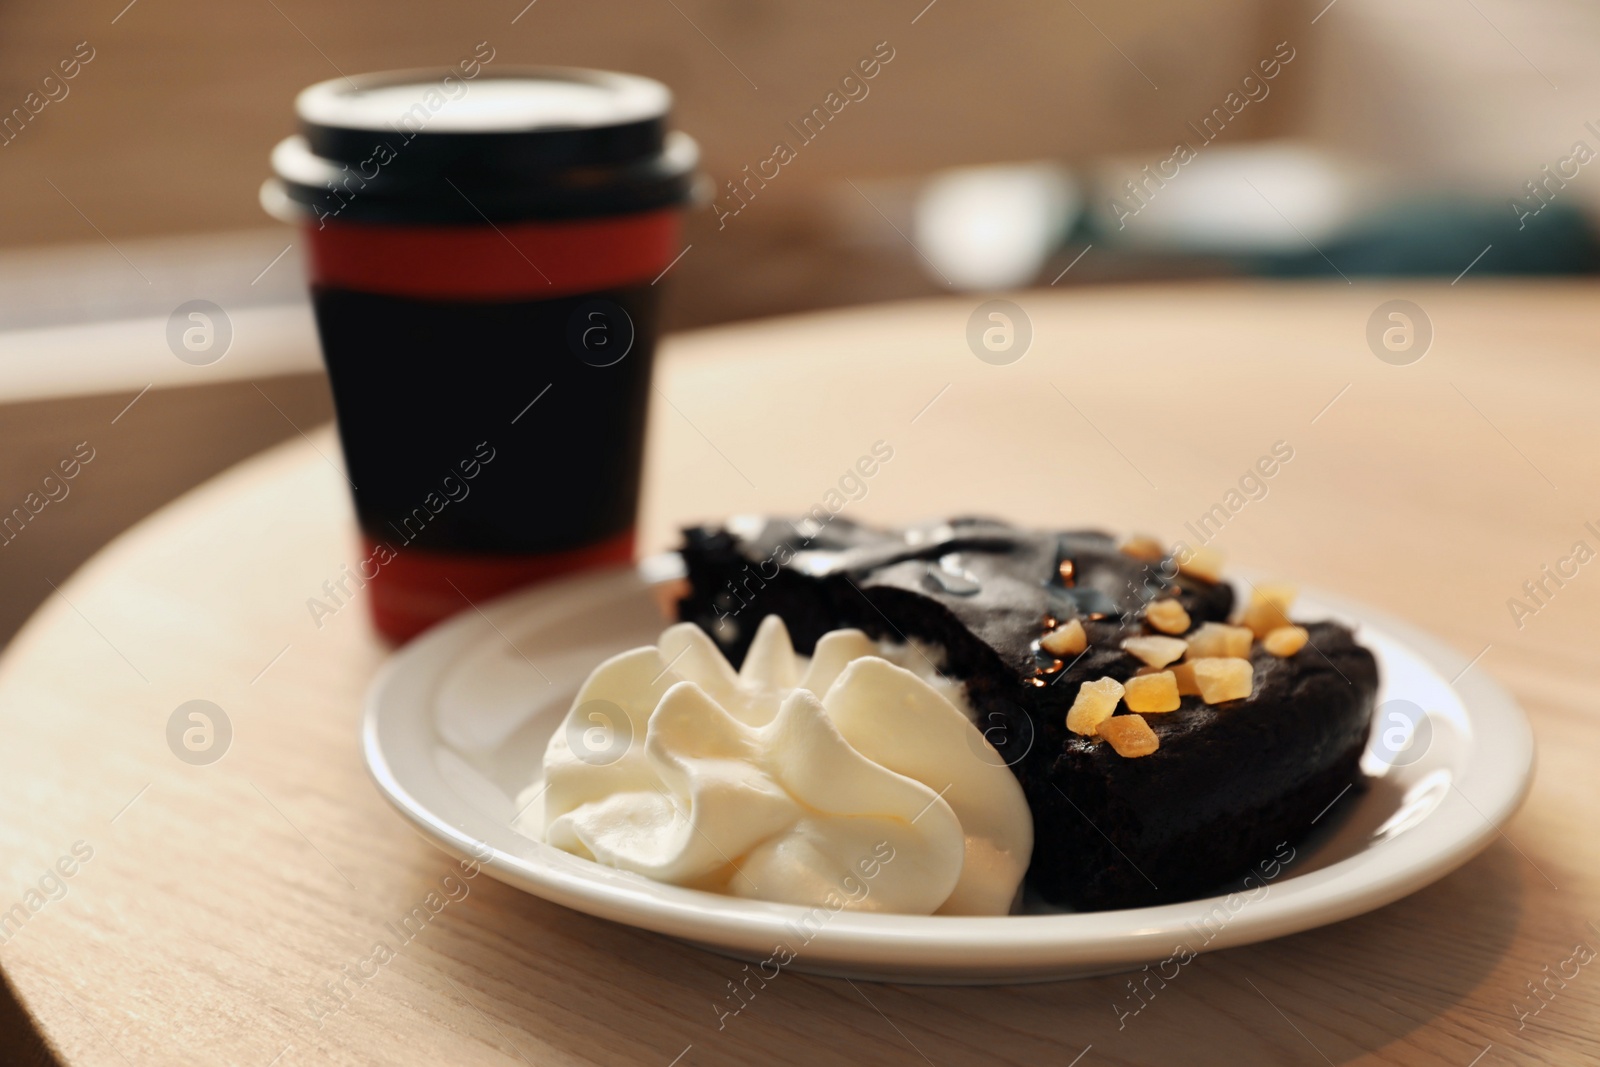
(790,780)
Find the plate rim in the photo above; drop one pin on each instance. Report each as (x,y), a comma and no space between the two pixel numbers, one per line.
(1008,945)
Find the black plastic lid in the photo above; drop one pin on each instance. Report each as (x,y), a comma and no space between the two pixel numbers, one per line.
(426,146)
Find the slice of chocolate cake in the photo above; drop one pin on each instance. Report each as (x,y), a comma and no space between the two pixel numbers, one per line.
(1125,814)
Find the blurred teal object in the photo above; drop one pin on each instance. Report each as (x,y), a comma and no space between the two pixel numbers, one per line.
(1441,238)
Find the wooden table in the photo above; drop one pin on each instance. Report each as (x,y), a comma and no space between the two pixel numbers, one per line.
(220,899)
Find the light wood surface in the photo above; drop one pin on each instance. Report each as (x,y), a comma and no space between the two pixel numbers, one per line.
(219,899)
(164,445)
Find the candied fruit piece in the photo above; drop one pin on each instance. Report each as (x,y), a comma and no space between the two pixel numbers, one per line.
(1223,679)
(1095,703)
(1130,735)
(1167,616)
(1285,640)
(1067,640)
(1218,640)
(1269,608)
(1151,692)
(1156,651)
(1183,677)
(1203,563)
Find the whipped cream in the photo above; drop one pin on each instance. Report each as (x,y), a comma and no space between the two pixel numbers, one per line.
(841,777)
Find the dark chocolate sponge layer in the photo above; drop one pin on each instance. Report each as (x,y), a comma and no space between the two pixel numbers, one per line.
(1229,782)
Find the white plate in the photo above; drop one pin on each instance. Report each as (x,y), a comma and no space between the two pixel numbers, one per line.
(456,725)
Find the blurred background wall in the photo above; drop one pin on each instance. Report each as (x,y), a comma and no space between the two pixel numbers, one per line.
(166,129)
